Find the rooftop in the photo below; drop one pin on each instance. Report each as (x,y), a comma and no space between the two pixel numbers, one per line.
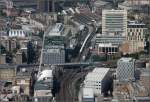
(97,74)
(124,59)
(57,29)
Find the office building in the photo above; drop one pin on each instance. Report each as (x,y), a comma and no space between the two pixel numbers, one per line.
(54,50)
(95,80)
(88,95)
(107,48)
(135,39)
(108,43)
(125,69)
(54,55)
(114,22)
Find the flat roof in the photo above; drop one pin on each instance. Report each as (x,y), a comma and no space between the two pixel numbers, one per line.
(106,45)
(88,93)
(97,74)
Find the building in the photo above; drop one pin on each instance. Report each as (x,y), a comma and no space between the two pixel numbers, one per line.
(114,22)
(54,49)
(54,55)
(24,79)
(45,5)
(18,58)
(88,95)
(17,33)
(141,99)
(2,58)
(125,69)
(43,87)
(115,40)
(145,79)
(57,30)
(138,2)
(135,39)
(107,48)
(8,73)
(9,44)
(24,3)
(95,80)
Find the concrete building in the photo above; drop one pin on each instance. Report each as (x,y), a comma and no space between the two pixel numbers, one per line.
(95,80)
(88,95)
(125,69)
(114,22)
(107,48)
(43,87)
(135,39)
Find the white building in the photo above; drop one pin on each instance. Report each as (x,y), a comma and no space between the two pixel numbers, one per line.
(57,30)
(107,48)
(114,22)
(125,69)
(17,33)
(88,95)
(95,79)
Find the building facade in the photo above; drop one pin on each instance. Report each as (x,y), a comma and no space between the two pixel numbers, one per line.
(125,69)
(114,22)
(95,79)
(135,38)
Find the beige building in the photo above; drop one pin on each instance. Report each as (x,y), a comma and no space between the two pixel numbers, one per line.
(8,73)
(135,39)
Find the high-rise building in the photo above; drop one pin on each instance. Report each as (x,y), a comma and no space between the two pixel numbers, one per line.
(125,69)
(114,22)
